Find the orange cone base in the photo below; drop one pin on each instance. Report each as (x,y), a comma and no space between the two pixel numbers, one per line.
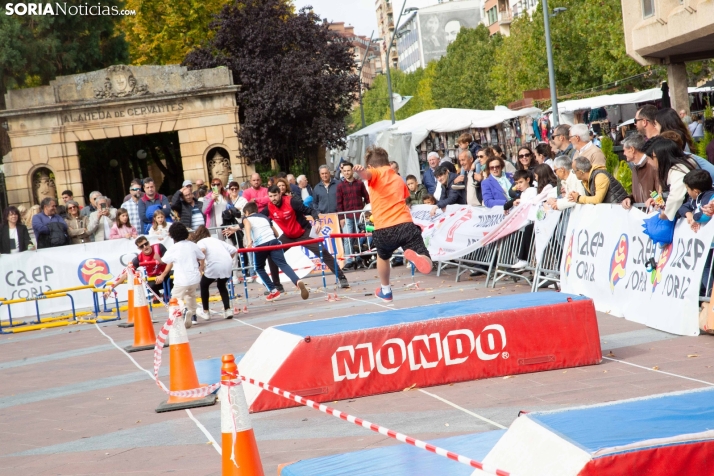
(246,454)
(187,403)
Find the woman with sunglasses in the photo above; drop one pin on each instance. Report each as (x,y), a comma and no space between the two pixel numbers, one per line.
(76,224)
(14,236)
(526,159)
(496,186)
(215,203)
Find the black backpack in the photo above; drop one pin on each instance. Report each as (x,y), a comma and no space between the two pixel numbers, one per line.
(56,237)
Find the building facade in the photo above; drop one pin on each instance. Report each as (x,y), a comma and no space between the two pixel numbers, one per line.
(498,14)
(385,26)
(670,32)
(408,47)
(360,46)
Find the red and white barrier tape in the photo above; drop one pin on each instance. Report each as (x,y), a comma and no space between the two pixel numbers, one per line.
(377,428)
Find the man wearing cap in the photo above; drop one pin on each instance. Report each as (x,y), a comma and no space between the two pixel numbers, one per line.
(188,209)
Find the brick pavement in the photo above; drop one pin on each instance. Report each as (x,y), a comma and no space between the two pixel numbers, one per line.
(71,404)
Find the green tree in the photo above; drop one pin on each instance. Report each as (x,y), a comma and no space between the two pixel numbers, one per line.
(164,32)
(460,79)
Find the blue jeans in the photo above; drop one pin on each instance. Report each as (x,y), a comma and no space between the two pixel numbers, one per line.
(350,226)
(278,257)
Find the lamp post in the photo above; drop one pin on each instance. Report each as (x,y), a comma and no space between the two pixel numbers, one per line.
(549,52)
(389,48)
(366,57)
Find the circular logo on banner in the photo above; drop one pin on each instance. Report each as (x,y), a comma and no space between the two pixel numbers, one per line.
(94,271)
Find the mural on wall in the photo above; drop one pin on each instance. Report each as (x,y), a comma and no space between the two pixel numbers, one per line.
(439,29)
(219,165)
(43,184)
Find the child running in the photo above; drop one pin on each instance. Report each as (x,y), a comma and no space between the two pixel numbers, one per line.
(393,225)
(259,232)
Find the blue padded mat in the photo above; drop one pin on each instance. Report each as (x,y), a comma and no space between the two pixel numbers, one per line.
(606,426)
(358,322)
(401,459)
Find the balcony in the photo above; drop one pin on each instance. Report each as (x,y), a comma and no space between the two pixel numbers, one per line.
(505,17)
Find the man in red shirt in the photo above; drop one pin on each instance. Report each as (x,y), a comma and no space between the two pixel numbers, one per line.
(150,258)
(289,215)
(351,195)
(257,193)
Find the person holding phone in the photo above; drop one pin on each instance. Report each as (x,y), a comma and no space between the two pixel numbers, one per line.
(101,220)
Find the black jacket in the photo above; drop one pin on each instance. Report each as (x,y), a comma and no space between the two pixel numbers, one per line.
(449,196)
(183,209)
(22,236)
(301,211)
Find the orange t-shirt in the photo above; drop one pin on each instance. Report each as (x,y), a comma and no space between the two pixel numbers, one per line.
(388,194)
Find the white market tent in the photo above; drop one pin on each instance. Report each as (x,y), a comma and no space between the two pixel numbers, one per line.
(402,139)
(358,142)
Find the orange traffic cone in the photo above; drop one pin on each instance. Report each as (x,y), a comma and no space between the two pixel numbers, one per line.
(240,456)
(144,336)
(131,282)
(182,371)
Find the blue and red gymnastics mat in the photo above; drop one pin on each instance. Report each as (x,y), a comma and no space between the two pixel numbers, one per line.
(368,354)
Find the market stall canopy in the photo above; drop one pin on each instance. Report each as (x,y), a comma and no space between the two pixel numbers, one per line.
(402,138)
(638,97)
(358,142)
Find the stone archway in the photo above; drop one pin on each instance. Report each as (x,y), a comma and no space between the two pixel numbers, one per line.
(45,124)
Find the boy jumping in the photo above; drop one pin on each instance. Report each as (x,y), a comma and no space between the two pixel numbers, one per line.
(393,225)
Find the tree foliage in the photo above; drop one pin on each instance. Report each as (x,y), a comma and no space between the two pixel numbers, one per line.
(461,76)
(34,49)
(296,76)
(164,32)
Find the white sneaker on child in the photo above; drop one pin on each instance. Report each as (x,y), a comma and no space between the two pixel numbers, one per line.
(203,314)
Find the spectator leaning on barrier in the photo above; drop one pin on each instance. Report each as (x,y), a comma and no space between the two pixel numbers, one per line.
(101,220)
(150,199)
(673,164)
(580,138)
(131,205)
(495,187)
(14,236)
(188,209)
(449,195)
(561,142)
(324,196)
(49,228)
(417,191)
(699,194)
(76,224)
(429,179)
(569,183)
(351,195)
(599,185)
(91,207)
(187,261)
(257,193)
(644,169)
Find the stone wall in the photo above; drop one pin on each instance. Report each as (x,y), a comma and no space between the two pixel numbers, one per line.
(46,123)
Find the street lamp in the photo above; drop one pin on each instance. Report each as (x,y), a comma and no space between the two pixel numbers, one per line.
(367,57)
(389,47)
(549,52)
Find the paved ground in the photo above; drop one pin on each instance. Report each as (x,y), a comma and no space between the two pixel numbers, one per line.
(72,404)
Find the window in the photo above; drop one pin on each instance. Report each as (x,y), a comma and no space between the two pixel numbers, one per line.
(647,8)
(492,15)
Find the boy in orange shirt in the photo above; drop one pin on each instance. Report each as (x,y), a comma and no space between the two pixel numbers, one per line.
(393,225)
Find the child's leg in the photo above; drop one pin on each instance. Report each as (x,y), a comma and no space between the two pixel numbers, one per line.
(278,257)
(205,283)
(383,270)
(223,290)
(414,248)
(190,299)
(260,257)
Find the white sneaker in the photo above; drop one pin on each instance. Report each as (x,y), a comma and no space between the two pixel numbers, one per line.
(203,314)
(227,314)
(187,321)
(520,264)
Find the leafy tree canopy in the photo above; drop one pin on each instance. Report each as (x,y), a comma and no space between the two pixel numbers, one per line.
(296,76)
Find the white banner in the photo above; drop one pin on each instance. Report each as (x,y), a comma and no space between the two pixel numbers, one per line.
(452,234)
(30,273)
(604,257)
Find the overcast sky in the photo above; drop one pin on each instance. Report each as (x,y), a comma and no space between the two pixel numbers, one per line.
(358,13)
